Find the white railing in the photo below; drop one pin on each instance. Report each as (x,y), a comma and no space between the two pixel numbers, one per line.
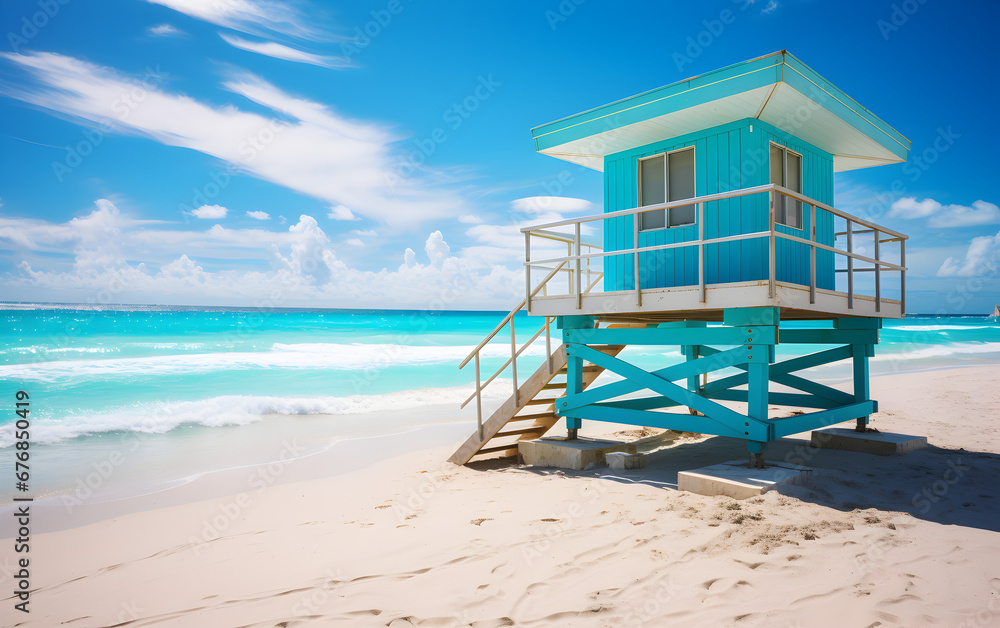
(878,264)
(515,350)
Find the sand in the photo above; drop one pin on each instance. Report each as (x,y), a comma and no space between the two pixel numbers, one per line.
(871,541)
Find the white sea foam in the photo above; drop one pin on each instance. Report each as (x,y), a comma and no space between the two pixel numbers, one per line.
(44,349)
(941,327)
(231,410)
(350,357)
(941,351)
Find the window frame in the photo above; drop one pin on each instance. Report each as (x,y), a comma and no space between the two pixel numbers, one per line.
(666,187)
(784,175)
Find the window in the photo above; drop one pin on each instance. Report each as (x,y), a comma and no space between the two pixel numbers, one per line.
(664,178)
(786,171)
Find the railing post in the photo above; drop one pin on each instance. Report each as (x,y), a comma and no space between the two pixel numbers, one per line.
(527,271)
(812,255)
(513,358)
(878,270)
(635,255)
(770,242)
(479,400)
(569,271)
(902,277)
(548,345)
(850,266)
(579,275)
(701,250)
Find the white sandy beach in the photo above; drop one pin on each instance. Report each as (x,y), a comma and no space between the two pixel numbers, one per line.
(872,541)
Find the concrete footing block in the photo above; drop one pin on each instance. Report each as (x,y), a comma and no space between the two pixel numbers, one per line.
(879,443)
(737,480)
(569,454)
(622,460)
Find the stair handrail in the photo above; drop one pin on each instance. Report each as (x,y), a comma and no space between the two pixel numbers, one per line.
(506,319)
(516,355)
(516,351)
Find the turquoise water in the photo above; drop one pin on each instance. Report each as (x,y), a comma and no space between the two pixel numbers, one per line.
(155,370)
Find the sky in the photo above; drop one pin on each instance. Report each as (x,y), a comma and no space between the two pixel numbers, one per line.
(279,153)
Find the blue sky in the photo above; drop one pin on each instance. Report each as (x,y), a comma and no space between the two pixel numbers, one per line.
(378,154)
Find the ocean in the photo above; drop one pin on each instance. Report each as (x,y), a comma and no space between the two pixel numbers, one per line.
(190,391)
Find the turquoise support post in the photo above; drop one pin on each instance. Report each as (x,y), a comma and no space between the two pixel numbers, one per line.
(860,352)
(574,385)
(757,406)
(693,352)
(862,390)
(759,357)
(574,365)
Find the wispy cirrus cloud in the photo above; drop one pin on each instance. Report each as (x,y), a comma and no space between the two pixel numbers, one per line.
(256,17)
(339,212)
(285,53)
(303,145)
(165,30)
(542,204)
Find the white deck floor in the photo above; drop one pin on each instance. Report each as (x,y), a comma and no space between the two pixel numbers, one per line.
(684,302)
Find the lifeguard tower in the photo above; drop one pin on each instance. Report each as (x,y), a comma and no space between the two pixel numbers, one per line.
(719,223)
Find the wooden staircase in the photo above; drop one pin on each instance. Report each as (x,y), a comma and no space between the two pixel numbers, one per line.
(536,399)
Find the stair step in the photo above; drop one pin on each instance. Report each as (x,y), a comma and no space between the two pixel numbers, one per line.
(535,417)
(586,369)
(543,417)
(490,450)
(528,430)
(542,402)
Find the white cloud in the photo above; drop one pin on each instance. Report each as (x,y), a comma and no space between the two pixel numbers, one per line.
(503,243)
(437,249)
(319,153)
(909,208)
(354,242)
(981,213)
(943,216)
(285,53)
(249,16)
(299,267)
(982,257)
(545,204)
(771,6)
(339,212)
(257,215)
(165,30)
(210,212)
(368,233)
(470,219)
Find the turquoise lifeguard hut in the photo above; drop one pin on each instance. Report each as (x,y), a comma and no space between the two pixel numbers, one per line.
(719,223)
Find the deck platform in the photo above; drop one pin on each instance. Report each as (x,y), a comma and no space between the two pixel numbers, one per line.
(684,303)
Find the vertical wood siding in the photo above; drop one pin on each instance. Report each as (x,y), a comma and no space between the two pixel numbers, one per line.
(726,157)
